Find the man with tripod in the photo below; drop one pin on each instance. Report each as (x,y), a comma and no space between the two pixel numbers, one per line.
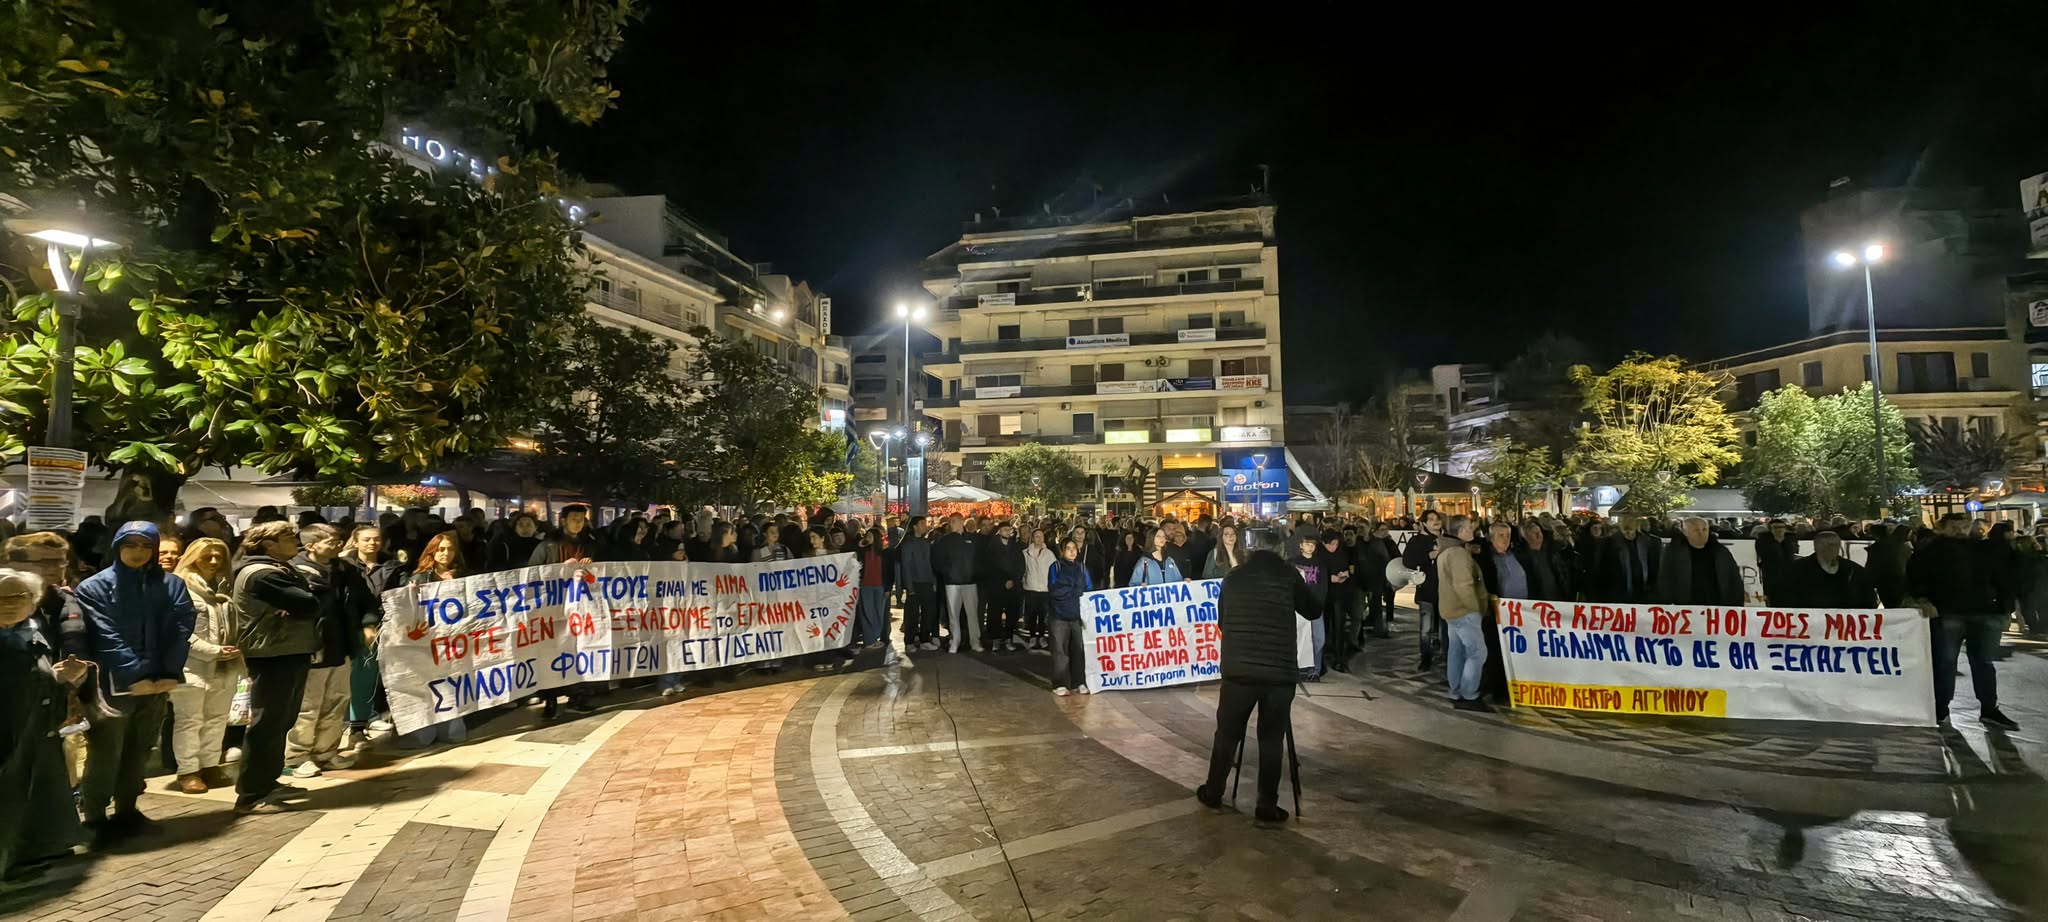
(1260,666)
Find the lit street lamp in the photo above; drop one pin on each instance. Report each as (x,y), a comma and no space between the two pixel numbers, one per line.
(60,237)
(1872,253)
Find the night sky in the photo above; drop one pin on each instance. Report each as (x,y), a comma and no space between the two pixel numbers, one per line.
(1447,190)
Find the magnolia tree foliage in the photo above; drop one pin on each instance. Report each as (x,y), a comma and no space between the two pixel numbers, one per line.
(750,431)
(1036,475)
(290,294)
(1650,417)
(1815,456)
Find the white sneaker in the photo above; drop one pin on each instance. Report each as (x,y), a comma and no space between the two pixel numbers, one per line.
(1083,689)
(234,754)
(955,648)
(1060,691)
(382,725)
(307,769)
(929,646)
(977,647)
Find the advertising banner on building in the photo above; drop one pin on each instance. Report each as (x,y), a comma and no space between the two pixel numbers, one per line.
(1198,335)
(1190,384)
(1127,387)
(998,299)
(1865,666)
(1246,434)
(456,647)
(1099,341)
(2034,201)
(1241,383)
(1253,475)
(993,393)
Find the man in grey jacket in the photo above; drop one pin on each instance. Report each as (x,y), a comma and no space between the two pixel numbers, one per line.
(921,603)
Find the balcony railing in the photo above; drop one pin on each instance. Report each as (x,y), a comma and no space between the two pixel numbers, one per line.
(1100,294)
(1251,331)
(1051,249)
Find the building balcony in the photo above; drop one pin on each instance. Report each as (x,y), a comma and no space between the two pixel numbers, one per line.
(1249,333)
(1155,437)
(1106,294)
(1147,387)
(1056,248)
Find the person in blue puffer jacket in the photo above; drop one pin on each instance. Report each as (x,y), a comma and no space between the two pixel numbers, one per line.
(140,624)
(1065,584)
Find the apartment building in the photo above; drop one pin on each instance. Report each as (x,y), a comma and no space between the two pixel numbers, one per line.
(1146,340)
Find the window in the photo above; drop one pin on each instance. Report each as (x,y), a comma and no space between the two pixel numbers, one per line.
(1109,325)
(1230,320)
(870,386)
(1984,425)
(692,317)
(604,288)
(1084,424)
(1201,368)
(630,294)
(1249,365)
(2040,373)
(1809,374)
(981,381)
(1927,372)
(987,425)
(1082,374)
(1229,275)
(1194,275)
(1009,287)
(1110,372)
(1201,321)
(1080,328)
(1980,364)
(1009,331)
(869,359)
(1010,424)
(1233,416)
(1750,388)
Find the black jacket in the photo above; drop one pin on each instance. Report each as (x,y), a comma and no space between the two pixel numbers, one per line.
(276,610)
(1000,561)
(1806,585)
(1416,556)
(1256,613)
(1962,576)
(1774,565)
(1675,582)
(1626,570)
(953,558)
(1887,567)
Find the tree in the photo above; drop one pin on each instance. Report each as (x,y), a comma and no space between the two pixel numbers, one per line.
(867,469)
(290,294)
(1513,474)
(611,430)
(1813,456)
(750,431)
(1036,475)
(1392,442)
(1963,460)
(1656,427)
(1548,406)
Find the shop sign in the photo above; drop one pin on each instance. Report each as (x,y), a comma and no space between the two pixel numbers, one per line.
(1241,383)
(1099,341)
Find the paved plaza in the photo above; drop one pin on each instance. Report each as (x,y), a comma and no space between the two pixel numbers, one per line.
(933,786)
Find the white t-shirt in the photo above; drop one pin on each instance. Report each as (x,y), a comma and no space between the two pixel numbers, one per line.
(1038,567)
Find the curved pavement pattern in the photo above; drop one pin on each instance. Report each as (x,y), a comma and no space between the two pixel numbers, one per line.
(952,787)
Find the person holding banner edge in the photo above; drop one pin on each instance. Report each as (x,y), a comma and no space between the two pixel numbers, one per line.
(1066,581)
(1255,613)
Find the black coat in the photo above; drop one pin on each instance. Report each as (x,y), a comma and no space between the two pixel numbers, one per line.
(1256,613)
(953,558)
(1806,585)
(1774,564)
(1675,582)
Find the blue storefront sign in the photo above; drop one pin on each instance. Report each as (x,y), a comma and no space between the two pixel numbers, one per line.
(1254,475)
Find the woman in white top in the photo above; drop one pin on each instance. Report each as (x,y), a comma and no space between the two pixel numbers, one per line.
(212,670)
(1038,560)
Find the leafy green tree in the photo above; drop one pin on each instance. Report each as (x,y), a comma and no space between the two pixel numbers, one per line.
(291,294)
(611,430)
(1813,455)
(867,468)
(1512,474)
(1657,427)
(1036,475)
(750,433)
(1964,460)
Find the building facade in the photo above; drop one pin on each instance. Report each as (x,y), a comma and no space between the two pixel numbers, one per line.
(1145,341)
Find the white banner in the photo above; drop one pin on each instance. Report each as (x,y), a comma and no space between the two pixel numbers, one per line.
(452,648)
(1241,383)
(1164,634)
(1128,387)
(1198,335)
(1859,666)
(996,393)
(1098,341)
(999,299)
(56,487)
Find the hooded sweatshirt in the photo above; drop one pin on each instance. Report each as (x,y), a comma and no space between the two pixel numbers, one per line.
(141,618)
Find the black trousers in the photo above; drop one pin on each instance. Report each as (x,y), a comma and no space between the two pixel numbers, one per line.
(1002,609)
(1037,606)
(276,685)
(921,613)
(1379,608)
(1275,704)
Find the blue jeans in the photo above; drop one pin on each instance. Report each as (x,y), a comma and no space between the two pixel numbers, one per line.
(1465,659)
(874,614)
(1981,633)
(1320,633)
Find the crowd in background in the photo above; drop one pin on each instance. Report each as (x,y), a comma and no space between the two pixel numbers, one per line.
(260,647)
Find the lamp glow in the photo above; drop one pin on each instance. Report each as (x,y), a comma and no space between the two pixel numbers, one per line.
(902,309)
(1873,253)
(1844,258)
(918,315)
(72,239)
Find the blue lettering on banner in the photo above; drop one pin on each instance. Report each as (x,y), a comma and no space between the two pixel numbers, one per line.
(798,577)
(482,686)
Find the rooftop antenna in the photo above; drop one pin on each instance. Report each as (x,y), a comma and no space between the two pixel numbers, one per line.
(1265,177)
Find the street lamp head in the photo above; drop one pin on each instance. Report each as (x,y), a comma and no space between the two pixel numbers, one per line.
(902,309)
(776,315)
(1873,253)
(1844,259)
(72,239)
(897,434)
(918,314)
(923,439)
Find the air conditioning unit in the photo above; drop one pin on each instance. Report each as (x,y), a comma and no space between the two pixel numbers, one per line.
(1148,363)
(1066,406)
(1258,404)
(1161,360)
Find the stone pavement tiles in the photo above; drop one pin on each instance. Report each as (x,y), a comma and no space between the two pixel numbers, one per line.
(195,854)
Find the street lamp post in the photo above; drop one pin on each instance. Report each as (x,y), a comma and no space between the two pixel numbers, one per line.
(1259,485)
(1871,254)
(58,242)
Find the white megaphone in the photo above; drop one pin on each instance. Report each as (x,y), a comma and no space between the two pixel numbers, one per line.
(1400,577)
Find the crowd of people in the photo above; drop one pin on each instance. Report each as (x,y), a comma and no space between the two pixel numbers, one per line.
(260,647)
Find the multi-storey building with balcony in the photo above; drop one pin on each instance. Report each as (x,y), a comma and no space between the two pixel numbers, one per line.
(1144,340)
